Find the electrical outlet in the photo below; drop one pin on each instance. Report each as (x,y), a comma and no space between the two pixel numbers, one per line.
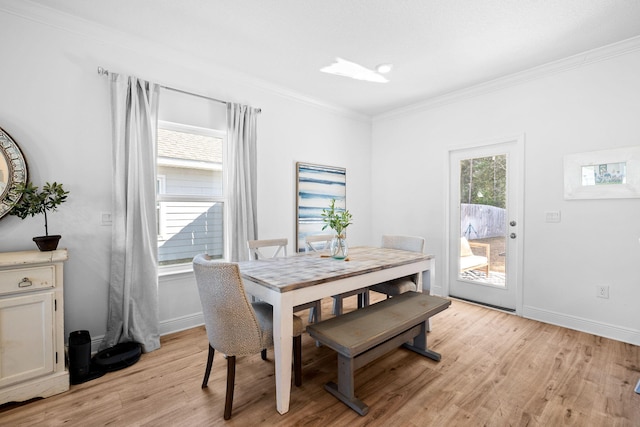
(602,291)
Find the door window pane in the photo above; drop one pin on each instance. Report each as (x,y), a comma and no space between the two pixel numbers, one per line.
(483,186)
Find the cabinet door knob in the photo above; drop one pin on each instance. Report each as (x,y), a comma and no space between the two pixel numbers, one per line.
(25,283)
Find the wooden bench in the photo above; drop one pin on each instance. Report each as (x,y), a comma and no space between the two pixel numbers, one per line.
(360,337)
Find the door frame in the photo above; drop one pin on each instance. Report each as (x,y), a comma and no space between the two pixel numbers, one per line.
(519,141)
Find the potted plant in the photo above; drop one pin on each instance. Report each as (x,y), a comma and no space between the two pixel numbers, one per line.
(31,202)
(338,220)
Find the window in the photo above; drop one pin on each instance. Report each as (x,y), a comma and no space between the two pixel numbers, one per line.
(190,193)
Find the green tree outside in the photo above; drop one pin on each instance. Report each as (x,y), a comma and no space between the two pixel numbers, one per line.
(483,181)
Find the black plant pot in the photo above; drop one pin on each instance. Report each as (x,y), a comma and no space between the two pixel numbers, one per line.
(47,243)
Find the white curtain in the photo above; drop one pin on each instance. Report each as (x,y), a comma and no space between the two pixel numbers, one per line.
(133,291)
(242,185)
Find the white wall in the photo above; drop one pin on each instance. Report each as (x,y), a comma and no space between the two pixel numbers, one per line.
(593,106)
(56,107)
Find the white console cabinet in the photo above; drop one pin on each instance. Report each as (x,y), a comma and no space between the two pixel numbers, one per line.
(32,362)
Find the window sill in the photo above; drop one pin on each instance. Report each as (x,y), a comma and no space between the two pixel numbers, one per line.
(174,270)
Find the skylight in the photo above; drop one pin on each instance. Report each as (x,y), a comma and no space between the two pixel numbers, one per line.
(342,67)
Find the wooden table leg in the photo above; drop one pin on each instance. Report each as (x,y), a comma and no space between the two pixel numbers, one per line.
(282,345)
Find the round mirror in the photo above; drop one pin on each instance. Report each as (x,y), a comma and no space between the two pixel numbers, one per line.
(13,171)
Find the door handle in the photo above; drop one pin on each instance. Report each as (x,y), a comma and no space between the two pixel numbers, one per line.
(512,235)
(512,223)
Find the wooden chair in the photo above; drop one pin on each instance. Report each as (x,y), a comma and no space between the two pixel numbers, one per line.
(236,327)
(403,284)
(318,243)
(272,248)
(468,258)
(322,243)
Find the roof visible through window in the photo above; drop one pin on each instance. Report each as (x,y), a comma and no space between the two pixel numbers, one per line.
(189,146)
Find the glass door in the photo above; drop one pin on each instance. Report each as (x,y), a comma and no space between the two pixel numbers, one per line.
(484,224)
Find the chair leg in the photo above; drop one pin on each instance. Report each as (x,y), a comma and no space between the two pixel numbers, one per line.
(263,354)
(207,370)
(315,312)
(231,377)
(297,360)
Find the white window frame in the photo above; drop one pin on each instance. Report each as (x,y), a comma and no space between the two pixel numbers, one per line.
(161,188)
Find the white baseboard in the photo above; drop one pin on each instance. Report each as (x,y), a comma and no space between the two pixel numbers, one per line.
(436,290)
(181,323)
(166,327)
(95,344)
(631,336)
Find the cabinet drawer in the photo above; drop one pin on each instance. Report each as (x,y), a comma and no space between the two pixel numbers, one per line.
(26,279)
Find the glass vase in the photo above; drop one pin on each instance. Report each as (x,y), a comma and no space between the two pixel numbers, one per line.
(339,249)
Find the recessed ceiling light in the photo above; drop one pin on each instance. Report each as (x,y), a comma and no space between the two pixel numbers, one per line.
(384,68)
(345,68)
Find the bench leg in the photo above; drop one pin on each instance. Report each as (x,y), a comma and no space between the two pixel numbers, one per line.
(344,390)
(420,344)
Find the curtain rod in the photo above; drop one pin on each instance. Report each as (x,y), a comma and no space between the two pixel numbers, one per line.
(104,72)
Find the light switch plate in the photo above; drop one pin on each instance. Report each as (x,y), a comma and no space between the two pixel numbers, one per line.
(105,218)
(552,216)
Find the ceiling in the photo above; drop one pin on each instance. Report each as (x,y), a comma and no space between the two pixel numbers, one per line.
(436,46)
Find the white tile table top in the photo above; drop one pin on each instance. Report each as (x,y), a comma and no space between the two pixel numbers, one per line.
(298,271)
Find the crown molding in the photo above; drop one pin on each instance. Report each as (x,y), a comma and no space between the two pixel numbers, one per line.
(572,62)
(102,34)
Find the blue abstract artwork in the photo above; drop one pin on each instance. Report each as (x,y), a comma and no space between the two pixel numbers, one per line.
(316,186)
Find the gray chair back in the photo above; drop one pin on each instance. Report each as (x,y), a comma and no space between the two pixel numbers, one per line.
(405,243)
(230,321)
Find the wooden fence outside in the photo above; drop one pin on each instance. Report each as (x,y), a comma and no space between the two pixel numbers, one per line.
(482,221)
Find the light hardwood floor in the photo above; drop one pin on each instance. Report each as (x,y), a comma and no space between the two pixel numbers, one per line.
(496,370)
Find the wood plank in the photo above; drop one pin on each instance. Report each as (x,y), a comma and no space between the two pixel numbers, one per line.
(497,369)
(359,330)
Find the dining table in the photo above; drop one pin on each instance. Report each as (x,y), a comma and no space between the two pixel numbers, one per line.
(286,282)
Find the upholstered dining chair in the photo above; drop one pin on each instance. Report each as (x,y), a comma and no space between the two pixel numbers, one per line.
(321,243)
(272,248)
(403,284)
(236,327)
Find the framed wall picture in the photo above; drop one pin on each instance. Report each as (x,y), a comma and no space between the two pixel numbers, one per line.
(316,185)
(606,174)
(13,172)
